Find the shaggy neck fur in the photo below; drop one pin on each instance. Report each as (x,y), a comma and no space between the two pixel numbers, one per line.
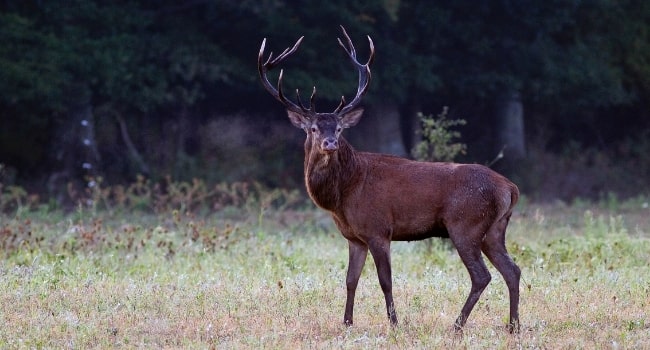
(328,176)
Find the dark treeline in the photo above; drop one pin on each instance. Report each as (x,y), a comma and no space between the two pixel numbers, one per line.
(170,88)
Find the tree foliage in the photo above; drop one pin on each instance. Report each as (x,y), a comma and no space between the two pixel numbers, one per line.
(155,71)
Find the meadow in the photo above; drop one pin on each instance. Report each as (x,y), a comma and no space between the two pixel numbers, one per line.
(259,275)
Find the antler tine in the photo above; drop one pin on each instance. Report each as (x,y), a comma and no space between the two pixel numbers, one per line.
(341,104)
(312,106)
(364,72)
(311,101)
(350,51)
(280,94)
(372,51)
(264,66)
(288,51)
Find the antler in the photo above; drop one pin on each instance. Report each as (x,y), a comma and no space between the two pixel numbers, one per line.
(270,63)
(343,107)
(364,73)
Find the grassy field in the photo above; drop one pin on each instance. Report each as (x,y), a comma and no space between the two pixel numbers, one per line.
(255,278)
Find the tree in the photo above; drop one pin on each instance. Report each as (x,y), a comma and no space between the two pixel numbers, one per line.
(72,68)
(498,58)
(126,87)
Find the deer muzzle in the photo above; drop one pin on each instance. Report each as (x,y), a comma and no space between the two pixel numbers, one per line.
(329,145)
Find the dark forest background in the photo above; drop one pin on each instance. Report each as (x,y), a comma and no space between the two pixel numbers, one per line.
(118,89)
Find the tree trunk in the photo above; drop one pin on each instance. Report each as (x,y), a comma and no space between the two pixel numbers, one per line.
(136,157)
(411,123)
(510,126)
(379,130)
(75,146)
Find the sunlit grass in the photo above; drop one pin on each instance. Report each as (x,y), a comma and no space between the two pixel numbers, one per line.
(269,279)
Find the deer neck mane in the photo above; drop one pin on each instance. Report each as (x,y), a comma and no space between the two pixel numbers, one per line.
(327,177)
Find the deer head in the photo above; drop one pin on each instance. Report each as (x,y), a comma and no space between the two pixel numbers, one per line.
(323,129)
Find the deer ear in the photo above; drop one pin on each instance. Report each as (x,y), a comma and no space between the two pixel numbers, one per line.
(298,120)
(351,119)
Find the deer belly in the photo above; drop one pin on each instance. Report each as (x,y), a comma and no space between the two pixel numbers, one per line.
(419,232)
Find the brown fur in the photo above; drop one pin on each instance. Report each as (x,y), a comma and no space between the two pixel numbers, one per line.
(375,199)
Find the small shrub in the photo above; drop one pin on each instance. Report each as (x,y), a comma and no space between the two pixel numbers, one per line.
(15,198)
(437,144)
(146,196)
(187,196)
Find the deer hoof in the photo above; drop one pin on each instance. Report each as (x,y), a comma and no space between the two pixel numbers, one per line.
(513,327)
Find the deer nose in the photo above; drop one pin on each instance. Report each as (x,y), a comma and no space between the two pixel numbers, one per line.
(330,144)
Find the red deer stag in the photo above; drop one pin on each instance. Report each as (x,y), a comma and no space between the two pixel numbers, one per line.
(375,198)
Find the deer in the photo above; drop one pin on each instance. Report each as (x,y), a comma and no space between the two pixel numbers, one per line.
(375,199)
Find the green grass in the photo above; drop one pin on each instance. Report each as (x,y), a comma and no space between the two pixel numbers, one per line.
(275,279)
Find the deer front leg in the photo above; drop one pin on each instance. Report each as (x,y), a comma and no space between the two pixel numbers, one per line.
(380,250)
(358,252)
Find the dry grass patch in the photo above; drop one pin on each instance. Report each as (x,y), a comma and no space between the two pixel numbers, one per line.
(272,282)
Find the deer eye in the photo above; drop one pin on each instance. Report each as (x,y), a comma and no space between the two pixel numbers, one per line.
(314,129)
(338,129)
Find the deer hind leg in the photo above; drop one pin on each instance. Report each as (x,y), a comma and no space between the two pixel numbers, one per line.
(358,252)
(494,247)
(380,250)
(470,253)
